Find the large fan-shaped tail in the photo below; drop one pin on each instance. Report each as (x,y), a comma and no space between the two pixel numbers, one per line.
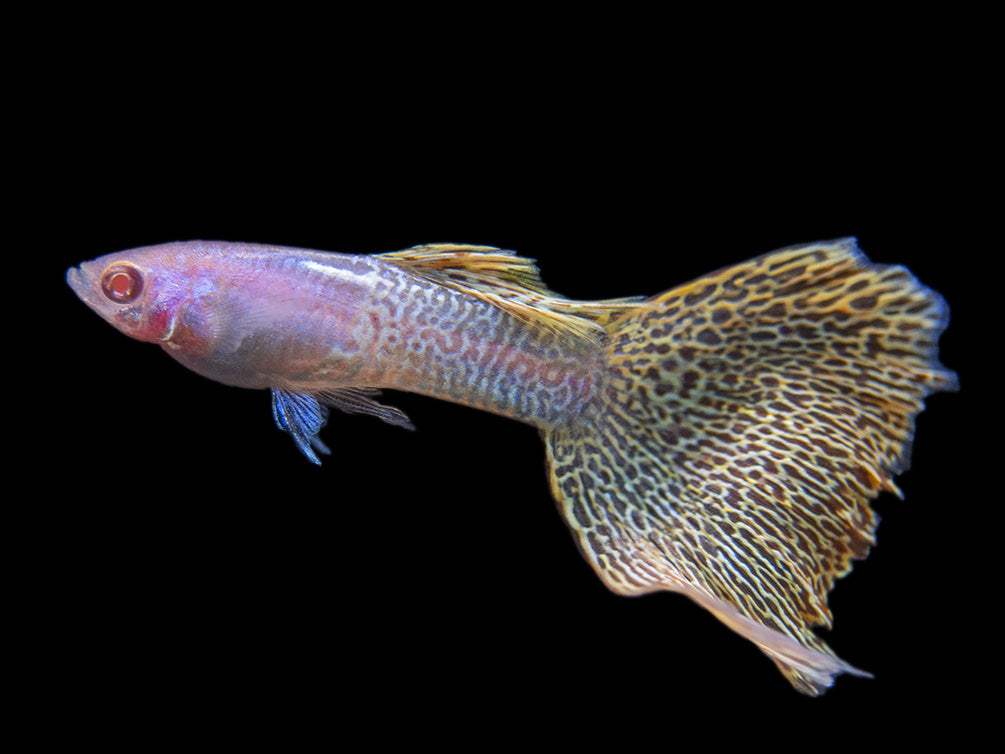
(747,420)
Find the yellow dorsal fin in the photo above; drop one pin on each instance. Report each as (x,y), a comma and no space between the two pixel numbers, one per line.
(510,282)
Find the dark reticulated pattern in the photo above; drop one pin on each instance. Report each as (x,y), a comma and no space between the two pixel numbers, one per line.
(749,418)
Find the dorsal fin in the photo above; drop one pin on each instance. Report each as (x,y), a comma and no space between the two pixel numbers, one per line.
(510,282)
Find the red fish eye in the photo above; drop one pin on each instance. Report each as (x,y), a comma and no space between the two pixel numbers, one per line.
(122,283)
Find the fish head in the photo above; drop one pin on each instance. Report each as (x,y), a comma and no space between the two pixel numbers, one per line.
(141,292)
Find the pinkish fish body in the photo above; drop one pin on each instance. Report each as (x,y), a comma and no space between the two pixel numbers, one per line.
(337,326)
(721,439)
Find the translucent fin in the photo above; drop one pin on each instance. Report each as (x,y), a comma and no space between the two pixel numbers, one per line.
(355,400)
(748,419)
(303,417)
(810,670)
(512,283)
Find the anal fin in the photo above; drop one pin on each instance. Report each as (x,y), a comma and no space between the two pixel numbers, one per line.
(303,415)
(360,400)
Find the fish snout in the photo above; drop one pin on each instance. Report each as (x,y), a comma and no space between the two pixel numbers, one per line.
(75,279)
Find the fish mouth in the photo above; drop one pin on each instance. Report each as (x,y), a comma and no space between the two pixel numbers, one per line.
(76,280)
(83,281)
(83,285)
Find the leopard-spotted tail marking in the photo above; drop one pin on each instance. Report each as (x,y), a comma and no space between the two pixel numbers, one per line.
(748,418)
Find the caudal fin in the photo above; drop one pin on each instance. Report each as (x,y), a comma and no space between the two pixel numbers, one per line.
(748,418)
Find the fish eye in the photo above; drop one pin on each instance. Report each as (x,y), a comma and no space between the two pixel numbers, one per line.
(122,283)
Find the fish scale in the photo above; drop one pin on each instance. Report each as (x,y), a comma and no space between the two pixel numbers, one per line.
(721,440)
(449,345)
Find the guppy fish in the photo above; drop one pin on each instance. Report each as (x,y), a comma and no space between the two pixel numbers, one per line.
(721,440)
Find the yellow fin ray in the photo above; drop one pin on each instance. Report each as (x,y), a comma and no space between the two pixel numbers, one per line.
(748,419)
(512,283)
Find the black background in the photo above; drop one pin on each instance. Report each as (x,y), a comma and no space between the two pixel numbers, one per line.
(195,568)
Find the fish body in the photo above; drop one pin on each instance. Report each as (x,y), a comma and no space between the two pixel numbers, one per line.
(722,439)
(308,322)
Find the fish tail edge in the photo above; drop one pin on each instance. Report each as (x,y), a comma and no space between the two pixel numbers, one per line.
(747,420)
